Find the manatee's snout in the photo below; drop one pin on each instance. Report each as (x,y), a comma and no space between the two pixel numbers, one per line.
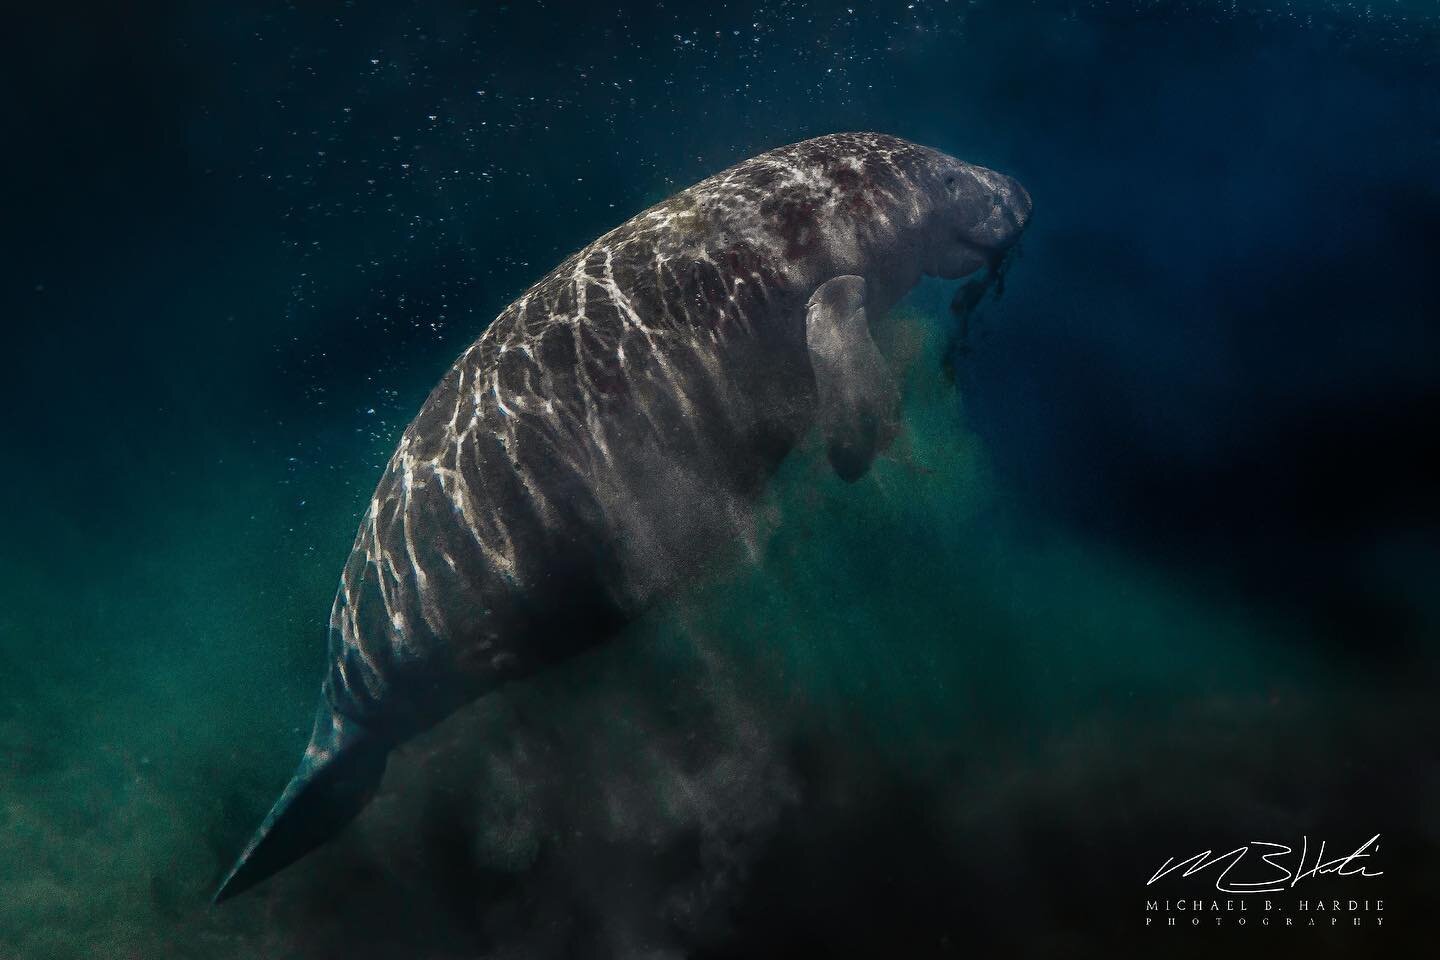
(982,215)
(1015,206)
(998,210)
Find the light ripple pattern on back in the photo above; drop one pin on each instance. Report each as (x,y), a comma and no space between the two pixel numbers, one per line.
(610,434)
(569,380)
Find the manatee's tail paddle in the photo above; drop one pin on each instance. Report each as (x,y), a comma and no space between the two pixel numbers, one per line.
(337,776)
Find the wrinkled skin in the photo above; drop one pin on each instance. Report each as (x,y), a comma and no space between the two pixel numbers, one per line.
(613,428)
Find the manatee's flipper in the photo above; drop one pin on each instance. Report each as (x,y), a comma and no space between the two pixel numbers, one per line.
(337,776)
(857,401)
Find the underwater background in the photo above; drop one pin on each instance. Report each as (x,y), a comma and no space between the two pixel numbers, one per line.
(1156,573)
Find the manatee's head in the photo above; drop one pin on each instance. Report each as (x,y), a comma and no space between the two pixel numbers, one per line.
(972,216)
(877,206)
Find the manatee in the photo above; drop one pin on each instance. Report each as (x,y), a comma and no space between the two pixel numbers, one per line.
(613,429)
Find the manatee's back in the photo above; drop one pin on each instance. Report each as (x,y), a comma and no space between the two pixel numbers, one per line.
(605,432)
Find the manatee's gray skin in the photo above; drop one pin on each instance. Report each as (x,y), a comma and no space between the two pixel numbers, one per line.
(612,429)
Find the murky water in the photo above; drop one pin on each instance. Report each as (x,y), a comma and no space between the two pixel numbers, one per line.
(1155,572)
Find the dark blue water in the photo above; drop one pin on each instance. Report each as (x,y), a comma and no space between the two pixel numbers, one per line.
(1156,574)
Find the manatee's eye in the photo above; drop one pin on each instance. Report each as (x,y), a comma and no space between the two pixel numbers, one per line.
(950,180)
